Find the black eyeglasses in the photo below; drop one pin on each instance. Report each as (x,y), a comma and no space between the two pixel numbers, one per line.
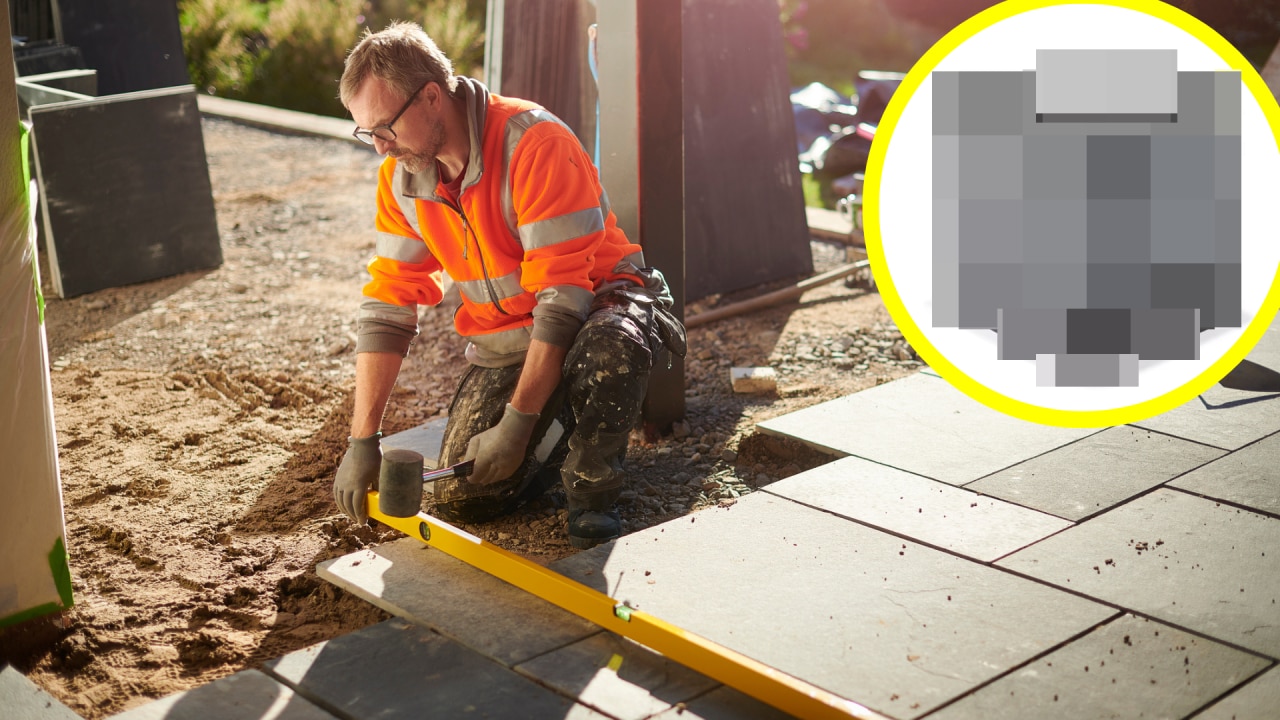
(384,132)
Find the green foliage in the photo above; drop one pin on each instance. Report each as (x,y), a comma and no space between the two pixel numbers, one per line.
(830,41)
(290,53)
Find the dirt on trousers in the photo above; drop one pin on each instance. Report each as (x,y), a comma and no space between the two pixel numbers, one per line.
(200,420)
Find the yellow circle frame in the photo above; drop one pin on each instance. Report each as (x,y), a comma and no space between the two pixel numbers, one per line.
(871,214)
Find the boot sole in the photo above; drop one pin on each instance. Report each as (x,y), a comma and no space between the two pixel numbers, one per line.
(583,543)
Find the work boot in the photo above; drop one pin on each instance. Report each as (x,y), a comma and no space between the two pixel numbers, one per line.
(589,528)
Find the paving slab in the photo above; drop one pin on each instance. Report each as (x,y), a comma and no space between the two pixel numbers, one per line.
(1097,472)
(929,511)
(1257,700)
(1228,419)
(24,700)
(1249,477)
(425,585)
(247,695)
(397,669)
(616,676)
(1189,561)
(425,440)
(1225,418)
(724,703)
(1128,668)
(885,622)
(923,425)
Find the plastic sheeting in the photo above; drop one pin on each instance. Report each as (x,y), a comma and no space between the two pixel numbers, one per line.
(34,571)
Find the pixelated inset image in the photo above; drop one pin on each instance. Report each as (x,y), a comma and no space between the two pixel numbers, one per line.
(1088,211)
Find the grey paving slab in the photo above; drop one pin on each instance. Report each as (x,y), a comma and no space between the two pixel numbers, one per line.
(724,703)
(1129,668)
(922,424)
(929,511)
(408,579)
(247,695)
(1256,700)
(884,622)
(617,677)
(425,440)
(1226,418)
(22,699)
(1097,472)
(1189,561)
(397,669)
(1249,476)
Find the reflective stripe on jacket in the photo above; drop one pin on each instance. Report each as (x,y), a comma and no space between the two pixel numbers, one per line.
(532,226)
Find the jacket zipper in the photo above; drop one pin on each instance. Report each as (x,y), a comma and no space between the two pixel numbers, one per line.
(484,270)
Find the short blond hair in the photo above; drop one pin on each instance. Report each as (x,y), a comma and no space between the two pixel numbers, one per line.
(402,55)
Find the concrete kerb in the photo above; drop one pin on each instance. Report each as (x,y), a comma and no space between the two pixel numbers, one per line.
(278,119)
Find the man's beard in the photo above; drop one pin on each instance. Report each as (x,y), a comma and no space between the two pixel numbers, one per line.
(416,162)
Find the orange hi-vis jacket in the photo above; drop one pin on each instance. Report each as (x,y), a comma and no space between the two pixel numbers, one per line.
(530,234)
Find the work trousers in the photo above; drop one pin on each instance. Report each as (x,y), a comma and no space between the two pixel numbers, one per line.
(581,436)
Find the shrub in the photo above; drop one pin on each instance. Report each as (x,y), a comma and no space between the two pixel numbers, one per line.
(289,53)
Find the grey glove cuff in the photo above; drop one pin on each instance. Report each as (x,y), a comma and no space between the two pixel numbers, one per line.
(516,421)
(365,444)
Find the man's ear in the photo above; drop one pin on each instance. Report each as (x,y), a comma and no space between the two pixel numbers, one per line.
(432,94)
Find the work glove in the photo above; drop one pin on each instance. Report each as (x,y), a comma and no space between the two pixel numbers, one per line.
(499,450)
(357,473)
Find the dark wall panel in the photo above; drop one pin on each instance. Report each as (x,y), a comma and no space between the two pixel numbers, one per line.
(125,189)
(744,203)
(133,44)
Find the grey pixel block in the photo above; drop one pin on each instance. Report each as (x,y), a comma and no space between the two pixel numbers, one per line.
(1116,285)
(1024,333)
(990,231)
(1092,331)
(1089,370)
(990,167)
(1226,231)
(1196,105)
(1119,167)
(1166,334)
(984,288)
(946,102)
(1182,230)
(946,167)
(1096,473)
(1128,668)
(1119,231)
(1226,167)
(990,103)
(1053,167)
(246,695)
(1226,295)
(1185,560)
(1054,286)
(1133,81)
(396,669)
(946,263)
(1055,230)
(1046,370)
(1226,102)
(1178,167)
(1184,285)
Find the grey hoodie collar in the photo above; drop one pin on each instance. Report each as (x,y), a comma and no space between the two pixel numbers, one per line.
(423,185)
